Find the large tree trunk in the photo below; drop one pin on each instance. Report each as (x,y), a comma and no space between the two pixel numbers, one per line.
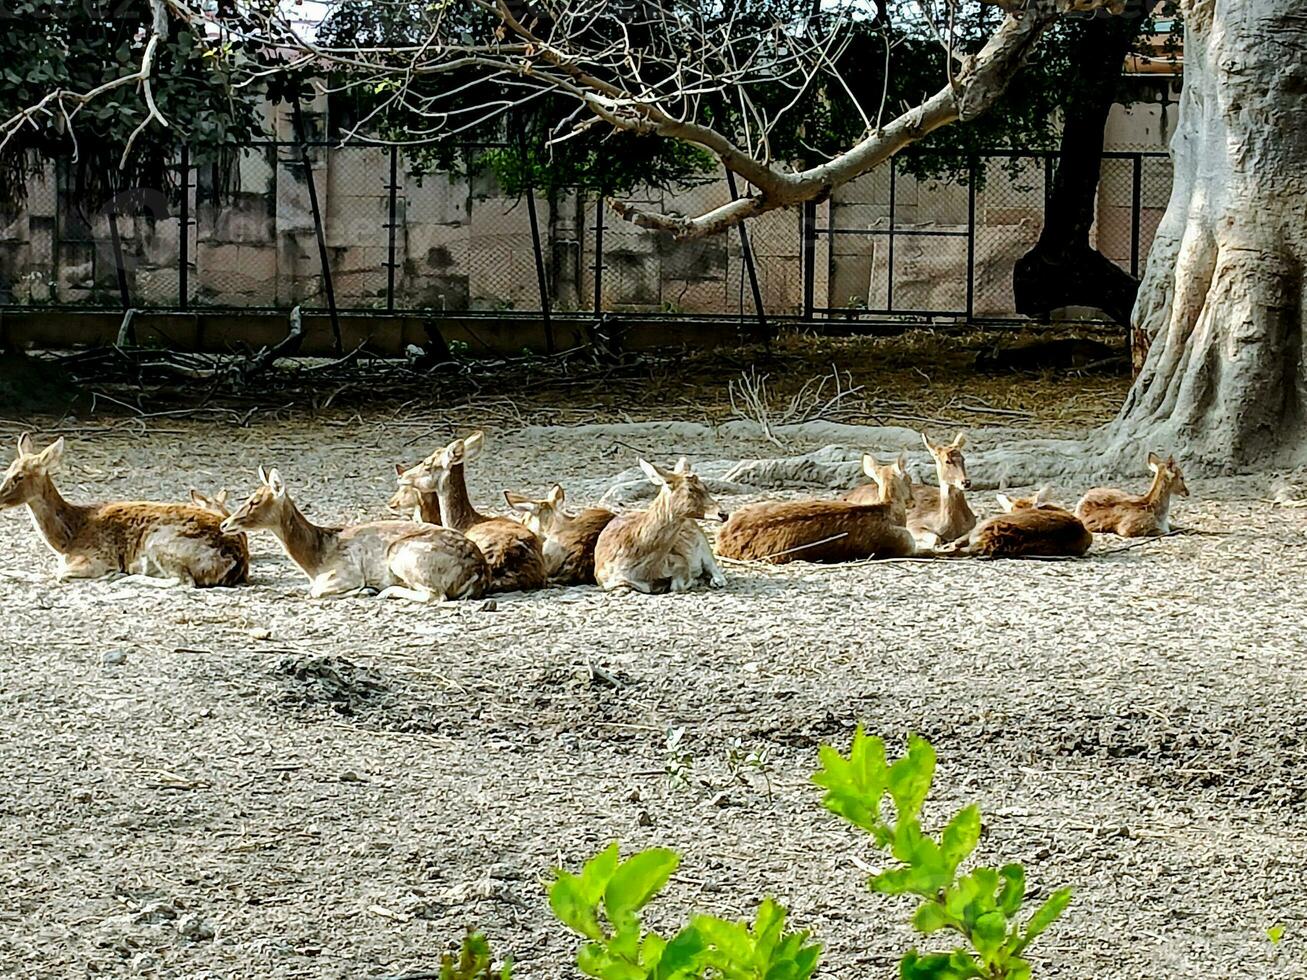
(1063,269)
(1222,298)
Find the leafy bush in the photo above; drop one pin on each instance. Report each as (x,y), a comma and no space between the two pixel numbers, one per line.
(982,906)
(604,902)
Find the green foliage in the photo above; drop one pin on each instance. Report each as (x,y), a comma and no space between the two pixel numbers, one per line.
(474,962)
(982,906)
(76,45)
(604,904)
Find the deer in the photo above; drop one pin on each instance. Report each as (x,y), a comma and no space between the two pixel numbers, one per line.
(568,539)
(158,544)
(514,554)
(826,530)
(216,504)
(1030,527)
(1105,510)
(940,515)
(397,559)
(661,549)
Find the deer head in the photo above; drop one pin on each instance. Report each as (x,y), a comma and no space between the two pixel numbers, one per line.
(1169,472)
(27,475)
(539,515)
(683,490)
(950,464)
(265,507)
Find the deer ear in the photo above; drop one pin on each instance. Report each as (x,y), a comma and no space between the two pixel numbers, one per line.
(1043,495)
(926,439)
(556,494)
(519,502)
(959,440)
(220,497)
(869,465)
(263,475)
(52,454)
(25,447)
(399,469)
(197,498)
(1005,502)
(682,466)
(1154,461)
(274,483)
(654,474)
(901,464)
(473,445)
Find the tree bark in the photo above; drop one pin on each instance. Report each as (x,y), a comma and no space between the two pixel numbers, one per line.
(1063,269)
(1222,297)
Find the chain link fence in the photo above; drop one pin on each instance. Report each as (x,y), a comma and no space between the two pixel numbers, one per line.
(356,228)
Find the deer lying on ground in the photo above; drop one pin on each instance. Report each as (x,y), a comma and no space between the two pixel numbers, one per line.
(568,539)
(513,553)
(661,549)
(1135,515)
(399,559)
(940,514)
(216,504)
(155,543)
(1030,527)
(826,530)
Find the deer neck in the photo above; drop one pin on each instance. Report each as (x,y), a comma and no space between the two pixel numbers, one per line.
(455,505)
(305,543)
(1158,497)
(953,504)
(660,523)
(56,520)
(429,507)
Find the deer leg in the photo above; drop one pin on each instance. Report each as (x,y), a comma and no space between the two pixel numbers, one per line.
(412,595)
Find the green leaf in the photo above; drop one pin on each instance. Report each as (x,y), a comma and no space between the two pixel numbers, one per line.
(598,871)
(1014,889)
(910,777)
(960,836)
(1047,914)
(854,786)
(568,900)
(681,955)
(987,935)
(637,880)
(1275,933)
(930,917)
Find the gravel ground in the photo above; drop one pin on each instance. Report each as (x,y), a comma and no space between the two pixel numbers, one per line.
(244,783)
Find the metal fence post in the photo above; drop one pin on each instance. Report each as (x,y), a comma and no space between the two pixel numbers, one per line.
(746,253)
(392,224)
(1136,205)
(116,240)
(973,171)
(327,285)
(541,280)
(184,231)
(889,259)
(599,255)
(808,257)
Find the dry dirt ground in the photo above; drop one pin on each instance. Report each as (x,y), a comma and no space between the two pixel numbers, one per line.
(246,783)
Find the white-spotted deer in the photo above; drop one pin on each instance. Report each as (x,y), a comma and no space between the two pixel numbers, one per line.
(826,530)
(163,544)
(399,559)
(568,539)
(512,551)
(661,549)
(1135,515)
(1031,527)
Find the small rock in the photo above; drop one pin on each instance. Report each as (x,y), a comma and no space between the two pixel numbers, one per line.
(260,633)
(113,658)
(633,796)
(490,605)
(144,963)
(350,776)
(194,928)
(722,799)
(643,819)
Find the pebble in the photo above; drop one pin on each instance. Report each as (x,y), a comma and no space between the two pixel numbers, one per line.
(113,658)
(194,928)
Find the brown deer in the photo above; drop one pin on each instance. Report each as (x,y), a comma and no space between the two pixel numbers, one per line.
(399,559)
(661,549)
(941,514)
(154,543)
(1031,527)
(512,551)
(216,504)
(826,530)
(1135,515)
(568,539)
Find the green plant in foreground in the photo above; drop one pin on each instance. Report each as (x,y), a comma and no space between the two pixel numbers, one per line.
(474,962)
(603,903)
(981,906)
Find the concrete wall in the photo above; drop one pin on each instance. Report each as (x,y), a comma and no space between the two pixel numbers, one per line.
(462,247)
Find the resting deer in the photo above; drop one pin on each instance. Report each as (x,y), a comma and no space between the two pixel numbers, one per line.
(1030,527)
(400,559)
(661,549)
(216,504)
(1135,515)
(159,544)
(513,553)
(568,539)
(826,530)
(940,515)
